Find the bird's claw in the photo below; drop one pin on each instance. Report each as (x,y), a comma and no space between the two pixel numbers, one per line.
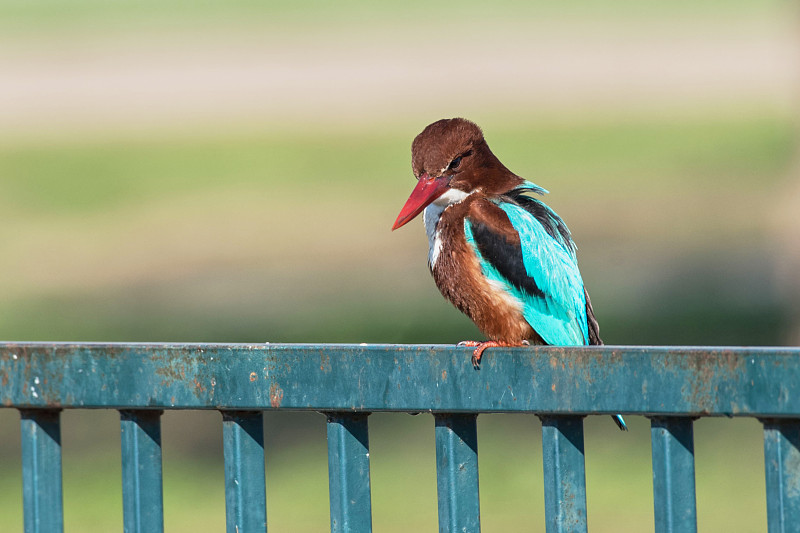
(476,355)
(476,359)
(480,347)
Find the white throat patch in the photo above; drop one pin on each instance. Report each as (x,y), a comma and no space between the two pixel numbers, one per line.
(431,216)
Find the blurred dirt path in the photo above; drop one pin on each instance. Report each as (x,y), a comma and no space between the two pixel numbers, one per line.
(338,75)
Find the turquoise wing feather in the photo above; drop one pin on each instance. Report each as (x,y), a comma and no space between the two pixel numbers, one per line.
(541,272)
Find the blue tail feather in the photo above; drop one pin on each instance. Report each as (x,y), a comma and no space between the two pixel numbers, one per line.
(620,422)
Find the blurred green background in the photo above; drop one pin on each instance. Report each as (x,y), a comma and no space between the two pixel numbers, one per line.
(229,172)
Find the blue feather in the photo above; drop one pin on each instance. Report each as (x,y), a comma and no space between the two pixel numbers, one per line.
(551,296)
(557,311)
(550,292)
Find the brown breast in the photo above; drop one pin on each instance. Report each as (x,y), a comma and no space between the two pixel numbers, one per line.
(458,275)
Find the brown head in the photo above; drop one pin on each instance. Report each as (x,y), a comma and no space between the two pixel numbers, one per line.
(452,154)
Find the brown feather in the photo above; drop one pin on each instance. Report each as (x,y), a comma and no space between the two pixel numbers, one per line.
(455,148)
(458,275)
(434,149)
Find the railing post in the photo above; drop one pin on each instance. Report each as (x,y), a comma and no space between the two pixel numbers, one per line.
(348,473)
(245,484)
(782,469)
(674,498)
(142,488)
(43,506)
(457,472)
(564,474)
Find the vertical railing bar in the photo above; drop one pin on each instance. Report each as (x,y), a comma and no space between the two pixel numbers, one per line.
(674,497)
(782,472)
(245,483)
(564,474)
(348,472)
(43,506)
(142,487)
(457,472)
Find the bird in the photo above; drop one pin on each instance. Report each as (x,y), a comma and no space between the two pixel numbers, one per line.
(496,251)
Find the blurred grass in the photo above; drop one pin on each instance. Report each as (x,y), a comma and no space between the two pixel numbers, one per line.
(52,14)
(260,235)
(730,482)
(82,175)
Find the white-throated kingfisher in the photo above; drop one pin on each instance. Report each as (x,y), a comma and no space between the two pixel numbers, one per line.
(496,252)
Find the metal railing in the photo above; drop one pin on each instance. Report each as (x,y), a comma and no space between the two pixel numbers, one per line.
(670,385)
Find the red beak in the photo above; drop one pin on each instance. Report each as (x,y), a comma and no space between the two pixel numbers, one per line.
(427,190)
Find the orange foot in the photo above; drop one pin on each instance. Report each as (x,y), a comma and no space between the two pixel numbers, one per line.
(481,346)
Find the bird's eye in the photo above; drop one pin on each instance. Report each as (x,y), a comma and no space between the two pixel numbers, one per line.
(455,163)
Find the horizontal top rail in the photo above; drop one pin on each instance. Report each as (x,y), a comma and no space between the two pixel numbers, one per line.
(715,381)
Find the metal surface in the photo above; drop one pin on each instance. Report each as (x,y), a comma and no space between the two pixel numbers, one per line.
(762,382)
(245,488)
(142,493)
(673,475)
(348,473)
(41,472)
(782,467)
(669,384)
(564,474)
(457,473)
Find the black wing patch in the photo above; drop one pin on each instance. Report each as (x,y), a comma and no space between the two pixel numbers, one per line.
(551,222)
(505,257)
(591,322)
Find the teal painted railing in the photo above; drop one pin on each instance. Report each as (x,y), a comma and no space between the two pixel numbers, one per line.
(671,386)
